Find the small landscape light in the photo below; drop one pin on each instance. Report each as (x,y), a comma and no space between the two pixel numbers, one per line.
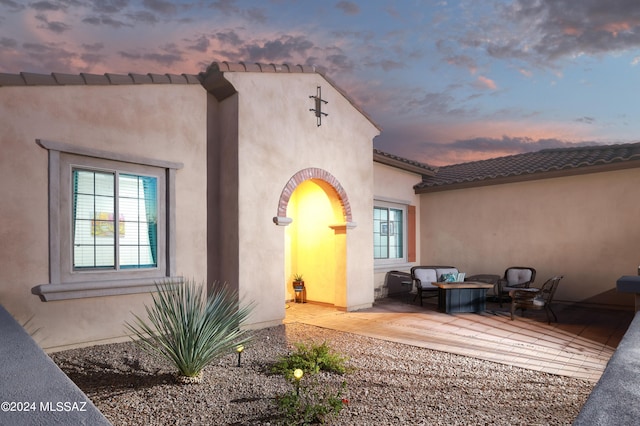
(297,374)
(239,349)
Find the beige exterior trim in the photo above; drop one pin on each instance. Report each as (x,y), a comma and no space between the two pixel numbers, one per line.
(106,155)
(61,284)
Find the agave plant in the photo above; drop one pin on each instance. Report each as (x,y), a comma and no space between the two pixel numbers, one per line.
(189,330)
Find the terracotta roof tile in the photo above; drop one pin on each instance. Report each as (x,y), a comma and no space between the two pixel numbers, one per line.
(141,78)
(95,79)
(160,78)
(119,78)
(251,67)
(61,79)
(68,79)
(38,79)
(177,79)
(11,80)
(533,165)
(403,163)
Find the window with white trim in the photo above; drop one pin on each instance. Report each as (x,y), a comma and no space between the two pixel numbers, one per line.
(389,233)
(111,227)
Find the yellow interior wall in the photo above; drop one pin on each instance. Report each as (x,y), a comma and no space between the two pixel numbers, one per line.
(310,241)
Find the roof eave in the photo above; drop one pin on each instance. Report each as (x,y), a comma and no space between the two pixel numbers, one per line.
(621,165)
(382,159)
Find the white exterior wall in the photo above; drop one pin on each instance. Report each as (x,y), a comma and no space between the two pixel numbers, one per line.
(163,122)
(395,185)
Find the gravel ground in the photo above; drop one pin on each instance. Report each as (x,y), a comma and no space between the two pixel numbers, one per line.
(391,384)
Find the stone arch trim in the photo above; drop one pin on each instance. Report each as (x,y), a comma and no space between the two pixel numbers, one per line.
(306,174)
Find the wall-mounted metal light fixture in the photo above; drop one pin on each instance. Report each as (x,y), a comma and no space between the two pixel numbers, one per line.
(318,105)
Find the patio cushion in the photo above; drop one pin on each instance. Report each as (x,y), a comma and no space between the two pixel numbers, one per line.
(426,277)
(446,271)
(518,276)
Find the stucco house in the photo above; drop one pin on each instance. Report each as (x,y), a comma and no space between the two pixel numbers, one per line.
(113,182)
(569,211)
(251,173)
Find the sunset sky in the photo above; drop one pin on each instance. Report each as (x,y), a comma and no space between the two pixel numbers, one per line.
(448,81)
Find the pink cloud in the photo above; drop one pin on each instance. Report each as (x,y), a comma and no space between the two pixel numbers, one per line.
(486,83)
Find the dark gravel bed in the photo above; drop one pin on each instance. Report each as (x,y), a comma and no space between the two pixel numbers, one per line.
(390,384)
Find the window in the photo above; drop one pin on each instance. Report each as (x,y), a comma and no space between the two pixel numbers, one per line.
(114,220)
(388,233)
(111,227)
(394,234)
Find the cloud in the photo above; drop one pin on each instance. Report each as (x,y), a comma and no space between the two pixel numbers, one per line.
(229,37)
(421,146)
(48,56)
(546,31)
(105,20)
(586,120)
(201,44)
(255,15)
(464,61)
(386,64)
(45,6)
(9,43)
(525,72)
(108,6)
(143,16)
(285,47)
(164,59)
(93,47)
(12,5)
(514,145)
(483,82)
(92,59)
(340,61)
(229,8)
(54,26)
(348,7)
(161,6)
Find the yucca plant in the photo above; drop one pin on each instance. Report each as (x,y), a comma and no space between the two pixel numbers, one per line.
(188,329)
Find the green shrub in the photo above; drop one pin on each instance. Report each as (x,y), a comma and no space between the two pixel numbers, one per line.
(187,328)
(310,403)
(311,359)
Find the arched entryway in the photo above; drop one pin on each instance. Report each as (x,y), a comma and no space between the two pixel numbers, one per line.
(315,210)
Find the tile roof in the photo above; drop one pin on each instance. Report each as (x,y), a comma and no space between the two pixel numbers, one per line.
(542,164)
(61,79)
(212,79)
(403,163)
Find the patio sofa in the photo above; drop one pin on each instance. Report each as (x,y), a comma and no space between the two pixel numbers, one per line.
(423,276)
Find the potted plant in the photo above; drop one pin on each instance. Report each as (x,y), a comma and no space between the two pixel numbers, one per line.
(298,282)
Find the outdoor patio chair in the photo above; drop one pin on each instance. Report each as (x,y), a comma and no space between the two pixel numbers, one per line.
(423,276)
(515,277)
(536,298)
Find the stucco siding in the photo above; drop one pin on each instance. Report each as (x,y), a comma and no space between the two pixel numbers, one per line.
(162,122)
(395,185)
(582,227)
(279,137)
